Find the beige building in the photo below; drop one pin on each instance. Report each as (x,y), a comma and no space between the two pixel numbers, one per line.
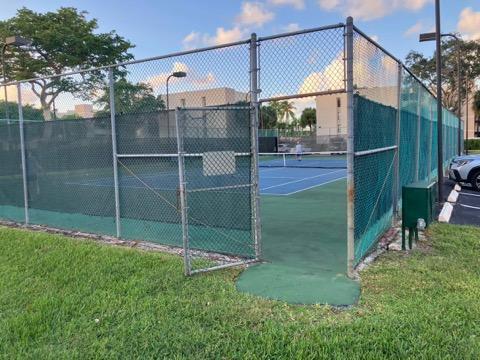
(84,110)
(209,97)
(332,109)
(472,123)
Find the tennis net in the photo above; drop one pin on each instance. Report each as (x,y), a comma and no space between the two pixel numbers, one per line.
(333,160)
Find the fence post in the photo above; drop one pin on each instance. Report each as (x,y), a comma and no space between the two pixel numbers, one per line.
(182,195)
(22,151)
(254,142)
(430,141)
(114,151)
(350,149)
(396,173)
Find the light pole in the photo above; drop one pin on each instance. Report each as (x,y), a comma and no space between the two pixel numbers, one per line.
(431,37)
(437,35)
(176,74)
(9,41)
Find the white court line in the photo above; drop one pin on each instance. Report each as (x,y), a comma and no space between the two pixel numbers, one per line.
(303,179)
(314,186)
(278,177)
(470,207)
(303,189)
(468,194)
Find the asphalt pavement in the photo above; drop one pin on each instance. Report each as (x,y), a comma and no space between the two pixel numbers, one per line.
(466,211)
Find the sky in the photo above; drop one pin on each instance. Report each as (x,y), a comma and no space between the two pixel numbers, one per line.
(161,27)
(157,26)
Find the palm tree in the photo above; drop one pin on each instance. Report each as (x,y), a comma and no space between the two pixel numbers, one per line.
(287,110)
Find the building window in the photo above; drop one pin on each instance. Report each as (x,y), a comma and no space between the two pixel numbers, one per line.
(183,103)
(204,101)
(339,102)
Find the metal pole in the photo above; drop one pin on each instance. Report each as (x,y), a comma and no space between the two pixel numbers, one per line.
(430,139)
(114,151)
(350,149)
(438,36)
(168,109)
(459,110)
(396,180)
(23,155)
(254,143)
(466,116)
(4,47)
(182,193)
(417,140)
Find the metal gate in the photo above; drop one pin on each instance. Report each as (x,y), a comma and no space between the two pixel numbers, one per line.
(218,187)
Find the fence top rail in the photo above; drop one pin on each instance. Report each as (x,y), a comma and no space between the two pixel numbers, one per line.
(131,62)
(300,32)
(373,42)
(174,54)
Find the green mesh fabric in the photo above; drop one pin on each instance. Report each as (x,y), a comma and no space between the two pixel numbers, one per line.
(11,183)
(373,173)
(217,166)
(69,167)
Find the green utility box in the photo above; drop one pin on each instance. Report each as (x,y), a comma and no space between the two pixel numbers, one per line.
(418,201)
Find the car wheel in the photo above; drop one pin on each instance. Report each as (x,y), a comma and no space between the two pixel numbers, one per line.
(475,180)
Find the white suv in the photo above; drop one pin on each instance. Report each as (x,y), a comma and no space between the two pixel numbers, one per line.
(466,169)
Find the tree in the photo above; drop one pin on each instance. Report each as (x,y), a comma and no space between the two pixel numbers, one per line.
(29,112)
(424,68)
(308,118)
(476,103)
(61,41)
(268,117)
(286,110)
(130,98)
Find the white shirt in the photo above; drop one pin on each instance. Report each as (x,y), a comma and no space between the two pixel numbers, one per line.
(298,148)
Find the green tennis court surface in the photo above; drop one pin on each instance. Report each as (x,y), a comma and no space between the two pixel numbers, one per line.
(304,240)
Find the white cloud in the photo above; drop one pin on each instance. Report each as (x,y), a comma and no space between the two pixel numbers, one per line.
(291,27)
(329,4)
(371,9)
(414,29)
(375,38)
(157,82)
(254,14)
(469,24)
(297,4)
(226,36)
(222,36)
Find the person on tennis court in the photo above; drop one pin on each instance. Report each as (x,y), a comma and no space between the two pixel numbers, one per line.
(298,151)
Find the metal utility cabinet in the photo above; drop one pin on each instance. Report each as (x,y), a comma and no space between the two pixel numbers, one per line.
(418,202)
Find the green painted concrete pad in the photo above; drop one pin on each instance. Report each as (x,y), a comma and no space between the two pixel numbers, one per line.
(304,239)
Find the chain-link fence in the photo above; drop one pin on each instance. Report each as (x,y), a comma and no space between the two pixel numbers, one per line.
(100,151)
(395,139)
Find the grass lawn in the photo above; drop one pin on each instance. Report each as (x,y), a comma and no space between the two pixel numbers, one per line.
(68,298)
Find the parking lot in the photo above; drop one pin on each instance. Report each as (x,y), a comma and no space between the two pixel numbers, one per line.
(466,211)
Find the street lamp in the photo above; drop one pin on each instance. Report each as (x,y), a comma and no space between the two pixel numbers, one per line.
(176,74)
(430,37)
(437,37)
(10,41)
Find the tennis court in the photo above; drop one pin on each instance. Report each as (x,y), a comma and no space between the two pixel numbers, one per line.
(304,229)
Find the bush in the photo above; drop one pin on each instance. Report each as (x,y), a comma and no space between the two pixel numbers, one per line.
(472,144)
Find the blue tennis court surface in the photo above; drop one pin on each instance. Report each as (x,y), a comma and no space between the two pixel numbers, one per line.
(273,181)
(288,181)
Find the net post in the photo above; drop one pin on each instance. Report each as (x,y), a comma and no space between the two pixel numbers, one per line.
(182,194)
(254,143)
(22,152)
(417,140)
(111,86)
(396,174)
(350,148)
